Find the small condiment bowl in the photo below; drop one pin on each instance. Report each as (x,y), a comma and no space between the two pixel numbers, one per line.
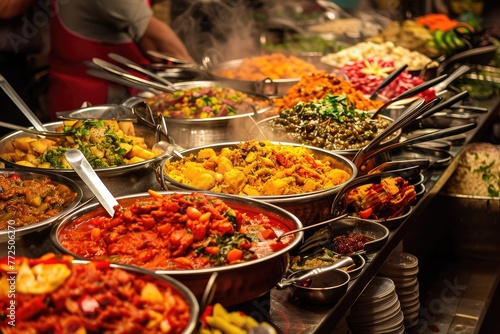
(322,289)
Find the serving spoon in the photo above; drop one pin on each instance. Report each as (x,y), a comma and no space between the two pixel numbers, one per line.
(44,133)
(81,166)
(21,104)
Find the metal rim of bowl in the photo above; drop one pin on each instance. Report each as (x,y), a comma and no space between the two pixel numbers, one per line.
(283,199)
(111,171)
(214,120)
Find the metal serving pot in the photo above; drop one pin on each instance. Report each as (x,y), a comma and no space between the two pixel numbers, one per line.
(308,207)
(194,132)
(236,283)
(274,88)
(120,180)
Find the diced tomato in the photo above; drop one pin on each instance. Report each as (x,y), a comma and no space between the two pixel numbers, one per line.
(207,312)
(234,254)
(15,177)
(31,308)
(193,213)
(366,213)
(212,250)
(268,234)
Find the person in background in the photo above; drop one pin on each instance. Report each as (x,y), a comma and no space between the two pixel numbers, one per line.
(19,39)
(86,29)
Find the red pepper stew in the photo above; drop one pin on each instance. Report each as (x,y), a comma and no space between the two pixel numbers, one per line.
(176,231)
(90,298)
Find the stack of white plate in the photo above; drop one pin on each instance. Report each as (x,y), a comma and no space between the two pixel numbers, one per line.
(402,269)
(377,309)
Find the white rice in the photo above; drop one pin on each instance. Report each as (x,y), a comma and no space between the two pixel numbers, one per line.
(478,169)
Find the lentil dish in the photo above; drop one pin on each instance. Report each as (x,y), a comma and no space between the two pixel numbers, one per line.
(273,66)
(53,295)
(175,231)
(256,168)
(29,201)
(331,123)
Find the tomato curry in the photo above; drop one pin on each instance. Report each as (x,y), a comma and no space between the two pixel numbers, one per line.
(176,231)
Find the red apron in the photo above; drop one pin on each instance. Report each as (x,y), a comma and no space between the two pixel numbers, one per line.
(70,85)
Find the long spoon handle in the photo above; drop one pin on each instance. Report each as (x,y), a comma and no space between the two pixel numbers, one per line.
(21,104)
(82,167)
(390,78)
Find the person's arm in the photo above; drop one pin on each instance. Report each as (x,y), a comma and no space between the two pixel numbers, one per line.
(160,37)
(13,8)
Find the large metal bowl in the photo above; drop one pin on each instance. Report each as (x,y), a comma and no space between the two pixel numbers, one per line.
(236,283)
(18,232)
(120,180)
(193,132)
(176,287)
(276,87)
(308,207)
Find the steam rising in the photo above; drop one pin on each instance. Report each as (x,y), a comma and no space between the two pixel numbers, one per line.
(224,26)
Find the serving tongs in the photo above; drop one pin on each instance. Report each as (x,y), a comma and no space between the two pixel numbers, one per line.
(123,74)
(136,67)
(345,262)
(174,62)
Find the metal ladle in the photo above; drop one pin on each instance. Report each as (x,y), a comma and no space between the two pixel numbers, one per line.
(80,164)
